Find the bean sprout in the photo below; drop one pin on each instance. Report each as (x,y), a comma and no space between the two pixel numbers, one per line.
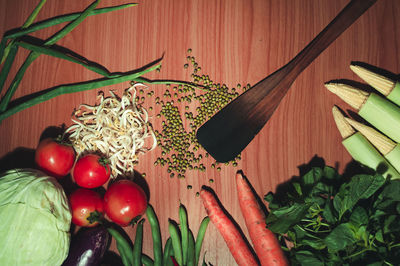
(116,127)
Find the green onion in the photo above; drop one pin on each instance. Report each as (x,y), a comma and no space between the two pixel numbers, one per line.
(64,89)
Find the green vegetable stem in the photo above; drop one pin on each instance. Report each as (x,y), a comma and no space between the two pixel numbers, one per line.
(200,237)
(176,241)
(137,246)
(168,252)
(33,55)
(156,235)
(123,247)
(4,50)
(9,50)
(184,233)
(63,89)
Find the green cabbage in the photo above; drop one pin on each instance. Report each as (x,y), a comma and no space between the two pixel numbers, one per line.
(35,219)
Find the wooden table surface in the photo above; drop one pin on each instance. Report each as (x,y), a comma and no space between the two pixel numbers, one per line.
(234,42)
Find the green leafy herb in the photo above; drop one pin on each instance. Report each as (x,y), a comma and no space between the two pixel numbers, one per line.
(327,219)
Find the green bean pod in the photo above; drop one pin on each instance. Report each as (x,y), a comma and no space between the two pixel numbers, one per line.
(156,235)
(138,244)
(123,246)
(60,19)
(3,46)
(63,89)
(146,260)
(184,233)
(176,241)
(53,52)
(72,25)
(33,55)
(167,253)
(7,64)
(191,260)
(27,23)
(200,237)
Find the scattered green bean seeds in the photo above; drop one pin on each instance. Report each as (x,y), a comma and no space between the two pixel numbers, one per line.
(180,150)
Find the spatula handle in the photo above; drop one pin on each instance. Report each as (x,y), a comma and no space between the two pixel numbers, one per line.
(339,24)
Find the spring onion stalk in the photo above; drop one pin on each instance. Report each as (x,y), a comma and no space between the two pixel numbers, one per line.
(27,23)
(33,55)
(360,148)
(388,148)
(64,89)
(385,85)
(377,110)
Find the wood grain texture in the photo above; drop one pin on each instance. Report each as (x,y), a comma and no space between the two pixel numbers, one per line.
(234,41)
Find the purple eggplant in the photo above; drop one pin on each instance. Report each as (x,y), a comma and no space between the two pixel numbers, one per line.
(88,246)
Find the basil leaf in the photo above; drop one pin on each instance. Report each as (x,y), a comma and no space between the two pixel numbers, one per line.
(340,237)
(359,217)
(306,257)
(280,220)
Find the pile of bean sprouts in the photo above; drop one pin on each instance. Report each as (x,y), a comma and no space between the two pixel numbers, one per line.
(116,127)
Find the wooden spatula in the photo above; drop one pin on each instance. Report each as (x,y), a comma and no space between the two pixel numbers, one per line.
(229,131)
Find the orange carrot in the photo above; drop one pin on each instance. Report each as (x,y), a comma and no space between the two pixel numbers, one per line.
(236,242)
(266,245)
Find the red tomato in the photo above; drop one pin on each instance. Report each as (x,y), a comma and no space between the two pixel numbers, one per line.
(85,202)
(91,171)
(124,201)
(54,157)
